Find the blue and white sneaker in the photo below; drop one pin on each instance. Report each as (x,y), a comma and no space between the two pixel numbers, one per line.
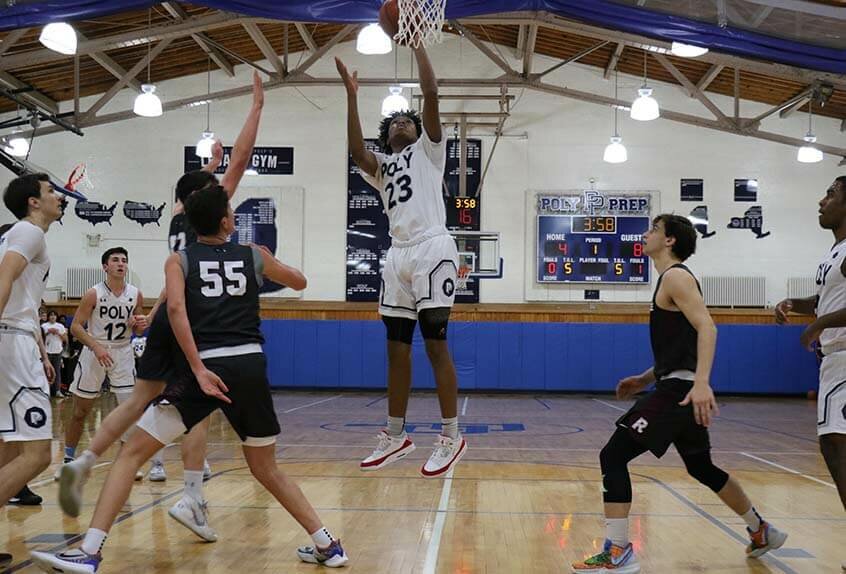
(333,556)
(70,561)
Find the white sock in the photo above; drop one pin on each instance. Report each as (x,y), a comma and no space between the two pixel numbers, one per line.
(396,426)
(158,458)
(450,427)
(322,538)
(194,484)
(93,541)
(86,460)
(617,531)
(753,519)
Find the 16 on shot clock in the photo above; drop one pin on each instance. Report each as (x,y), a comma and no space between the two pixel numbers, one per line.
(593,237)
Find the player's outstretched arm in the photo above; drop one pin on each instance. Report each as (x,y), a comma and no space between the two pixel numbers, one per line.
(429,87)
(278,272)
(362,157)
(805,306)
(209,382)
(242,151)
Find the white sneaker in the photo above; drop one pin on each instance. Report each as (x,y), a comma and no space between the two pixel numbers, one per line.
(194,516)
(390,449)
(206,470)
(72,478)
(333,556)
(448,451)
(157,473)
(58,472)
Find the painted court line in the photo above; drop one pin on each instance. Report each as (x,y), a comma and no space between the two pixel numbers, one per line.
(787,469)
(464,406)
(609,405)
(438,528)
(311,404)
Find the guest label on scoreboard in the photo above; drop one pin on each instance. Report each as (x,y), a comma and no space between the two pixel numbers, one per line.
(593,237)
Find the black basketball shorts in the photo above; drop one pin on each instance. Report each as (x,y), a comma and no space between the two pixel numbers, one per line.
(657,420)
(162,355)
(250,413)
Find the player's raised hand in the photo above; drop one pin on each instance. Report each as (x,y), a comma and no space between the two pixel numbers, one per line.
(217,152)
(701,396)
(350,80)
(212,385)
(258,91)
(103,357)
(781,310)
(629,387)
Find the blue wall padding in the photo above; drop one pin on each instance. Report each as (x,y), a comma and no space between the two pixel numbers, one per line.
(588,357)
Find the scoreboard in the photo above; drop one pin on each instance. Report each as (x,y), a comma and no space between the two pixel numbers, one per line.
(592,249)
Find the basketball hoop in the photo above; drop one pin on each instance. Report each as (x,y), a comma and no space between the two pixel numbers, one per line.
(420,22)
(79,181)
(462,277)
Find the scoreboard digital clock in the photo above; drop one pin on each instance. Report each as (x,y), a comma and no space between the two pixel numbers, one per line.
(592,249)
(463,212)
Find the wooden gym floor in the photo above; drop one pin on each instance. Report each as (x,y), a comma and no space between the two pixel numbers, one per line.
(525,498)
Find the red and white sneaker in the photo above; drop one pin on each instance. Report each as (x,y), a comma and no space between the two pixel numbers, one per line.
(390,449)
(448,451)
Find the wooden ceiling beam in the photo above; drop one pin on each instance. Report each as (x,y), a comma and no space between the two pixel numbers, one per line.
(179,14)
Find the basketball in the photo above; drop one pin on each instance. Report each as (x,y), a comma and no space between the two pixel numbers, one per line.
(389,17)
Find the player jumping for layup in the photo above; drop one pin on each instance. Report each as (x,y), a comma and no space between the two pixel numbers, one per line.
(678,411)
(418,280)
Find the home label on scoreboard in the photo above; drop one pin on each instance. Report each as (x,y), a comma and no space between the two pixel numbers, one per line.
(594,237)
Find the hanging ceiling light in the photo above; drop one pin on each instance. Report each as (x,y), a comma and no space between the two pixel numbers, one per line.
(204,146)
(615,152)
(147,103)
(59,37)
(645,107)
(395,102)
(373,40)
(809,153)
(687,50)
(16,145)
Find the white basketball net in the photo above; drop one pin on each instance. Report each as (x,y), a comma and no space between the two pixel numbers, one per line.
(420,22)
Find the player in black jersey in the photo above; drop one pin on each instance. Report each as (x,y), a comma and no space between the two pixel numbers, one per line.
(161,354)
(679,409)
(213,303)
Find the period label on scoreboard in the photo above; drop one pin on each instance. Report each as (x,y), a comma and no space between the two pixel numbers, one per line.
(593,237)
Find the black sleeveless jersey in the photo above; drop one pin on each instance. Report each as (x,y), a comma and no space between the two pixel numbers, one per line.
(181,234)
(673,337)
(222,294)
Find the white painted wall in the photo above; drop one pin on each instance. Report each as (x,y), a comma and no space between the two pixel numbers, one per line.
(553,144)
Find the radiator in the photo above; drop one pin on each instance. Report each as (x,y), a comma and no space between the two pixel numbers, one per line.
(735,291)
(80,279)
(800,287)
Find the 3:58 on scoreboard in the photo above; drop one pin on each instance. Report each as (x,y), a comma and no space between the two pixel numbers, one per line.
(592,249)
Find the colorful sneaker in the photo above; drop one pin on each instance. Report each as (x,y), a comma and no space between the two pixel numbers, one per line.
(26,498)
(206,470)
(333,556)
(58,472)
(194,516)
(71,481)
(70,561)
(390,449)
(612,560)
(157,473)
(448,451)
(767,538)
